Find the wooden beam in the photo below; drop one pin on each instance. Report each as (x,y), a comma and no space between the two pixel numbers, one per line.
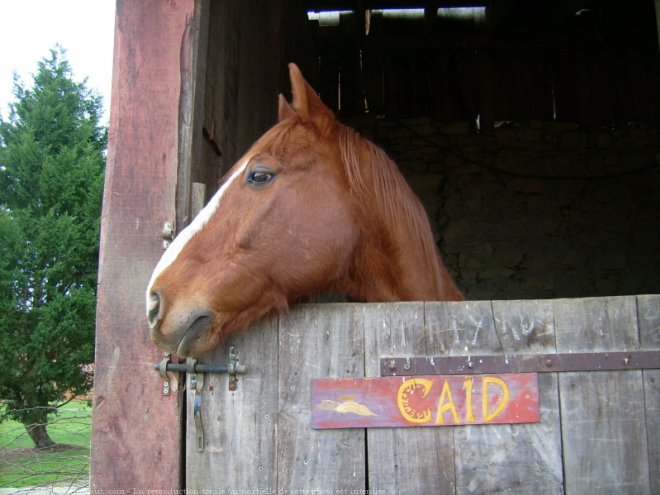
(136,429)
(605,324)
(657,19)
(191,166)
(331,5)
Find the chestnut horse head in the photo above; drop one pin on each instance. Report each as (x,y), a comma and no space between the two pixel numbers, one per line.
(311,207)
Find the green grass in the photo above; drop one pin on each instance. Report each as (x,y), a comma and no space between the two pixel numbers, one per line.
(22,465)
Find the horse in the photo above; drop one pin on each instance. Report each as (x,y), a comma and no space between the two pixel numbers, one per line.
(311,208)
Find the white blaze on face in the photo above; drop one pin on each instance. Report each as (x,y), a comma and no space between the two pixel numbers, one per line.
(195,226)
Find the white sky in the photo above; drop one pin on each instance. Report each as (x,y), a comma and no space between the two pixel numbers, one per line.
(30,28)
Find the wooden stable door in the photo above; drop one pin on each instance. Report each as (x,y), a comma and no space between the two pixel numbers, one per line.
(599,431)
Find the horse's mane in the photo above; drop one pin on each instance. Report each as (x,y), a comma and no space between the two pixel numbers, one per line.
(378,181)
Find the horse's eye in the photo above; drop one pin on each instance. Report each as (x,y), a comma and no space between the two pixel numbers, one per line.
(260,176)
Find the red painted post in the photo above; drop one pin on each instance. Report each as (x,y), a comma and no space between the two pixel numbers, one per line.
(136,439)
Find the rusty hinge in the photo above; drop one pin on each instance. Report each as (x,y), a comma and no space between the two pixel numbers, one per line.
(520,363)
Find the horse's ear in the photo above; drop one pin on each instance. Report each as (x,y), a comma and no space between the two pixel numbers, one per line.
(307,103)
(284,110)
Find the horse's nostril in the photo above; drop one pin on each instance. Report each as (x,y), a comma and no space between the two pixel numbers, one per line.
(154,309)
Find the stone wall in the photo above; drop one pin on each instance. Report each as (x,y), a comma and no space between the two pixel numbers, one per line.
(536,209)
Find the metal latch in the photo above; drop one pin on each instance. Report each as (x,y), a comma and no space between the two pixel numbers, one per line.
(232,368)
(197,386)
(196,372)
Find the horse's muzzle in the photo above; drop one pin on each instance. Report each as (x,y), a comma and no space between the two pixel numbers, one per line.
(196,331)
(181,332)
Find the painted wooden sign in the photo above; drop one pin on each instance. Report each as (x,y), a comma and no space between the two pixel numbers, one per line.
(431,400)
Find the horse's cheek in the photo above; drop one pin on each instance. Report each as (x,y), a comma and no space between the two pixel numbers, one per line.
(232,287)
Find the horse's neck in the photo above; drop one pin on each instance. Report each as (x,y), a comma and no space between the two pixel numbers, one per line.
(423,276)
(394,264)
(396,259)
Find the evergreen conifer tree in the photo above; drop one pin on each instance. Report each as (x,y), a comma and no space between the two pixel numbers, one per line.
(51,179)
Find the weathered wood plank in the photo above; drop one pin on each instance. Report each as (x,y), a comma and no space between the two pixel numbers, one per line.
(193,66)
(410,460)
(648,313)
(239,427)
(317,341)
(527,327)
(260,63)
(471,330)
(487,455)
(221,86)
(648,310)
(136,430)
(602,413)
(246,59)
(657,17)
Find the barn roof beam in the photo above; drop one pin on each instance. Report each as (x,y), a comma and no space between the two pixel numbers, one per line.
(657,18)
(325,5)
